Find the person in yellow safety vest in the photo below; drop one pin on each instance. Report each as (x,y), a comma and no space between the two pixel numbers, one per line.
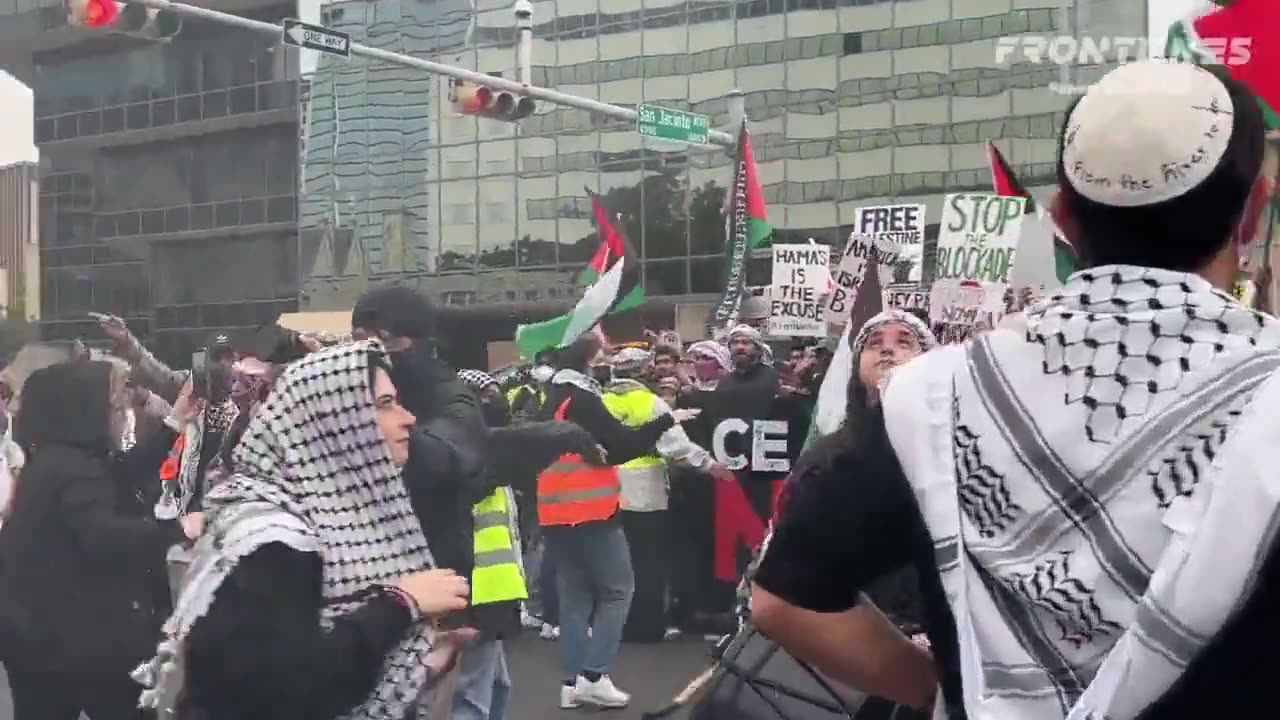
(497,585)
(645,491)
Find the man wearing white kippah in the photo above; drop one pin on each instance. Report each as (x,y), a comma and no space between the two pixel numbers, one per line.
(1092,499)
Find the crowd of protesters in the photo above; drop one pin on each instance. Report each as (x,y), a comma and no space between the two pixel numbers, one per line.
(1072,515)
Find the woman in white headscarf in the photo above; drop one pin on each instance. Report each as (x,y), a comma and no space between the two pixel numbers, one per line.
(311,594)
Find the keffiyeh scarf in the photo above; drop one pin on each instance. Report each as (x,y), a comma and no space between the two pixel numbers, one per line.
(312,472)
(1073,477)
(180,473)
(833,397)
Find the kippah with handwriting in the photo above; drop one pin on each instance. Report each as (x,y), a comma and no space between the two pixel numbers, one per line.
(1148,132)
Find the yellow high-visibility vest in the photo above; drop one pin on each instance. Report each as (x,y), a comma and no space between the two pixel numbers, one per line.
(634,408)
(498,574)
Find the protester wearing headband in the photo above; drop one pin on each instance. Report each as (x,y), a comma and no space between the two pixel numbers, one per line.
(1062,489)
(800,594)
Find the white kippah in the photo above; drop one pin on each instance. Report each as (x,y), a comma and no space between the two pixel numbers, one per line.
(1148,132)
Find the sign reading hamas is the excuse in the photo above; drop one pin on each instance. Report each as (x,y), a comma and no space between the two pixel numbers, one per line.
(976,245)
(894,236)
(799,279)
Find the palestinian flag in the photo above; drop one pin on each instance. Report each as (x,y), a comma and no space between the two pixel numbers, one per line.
(612,281)
(612,246)
(746,228)
(1244,37)
(1006,184)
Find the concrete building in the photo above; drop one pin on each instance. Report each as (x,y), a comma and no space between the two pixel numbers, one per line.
(172,171)
(851,102)
(19,234)
(168,174)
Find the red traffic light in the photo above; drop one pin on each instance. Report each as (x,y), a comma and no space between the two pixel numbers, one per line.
(100,13)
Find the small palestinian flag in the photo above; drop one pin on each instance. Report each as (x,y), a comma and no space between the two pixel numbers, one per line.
(612,285)
(1244,37)
(759,231)
(1006,184)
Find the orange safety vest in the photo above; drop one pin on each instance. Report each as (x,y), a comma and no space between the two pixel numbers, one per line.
(573,491)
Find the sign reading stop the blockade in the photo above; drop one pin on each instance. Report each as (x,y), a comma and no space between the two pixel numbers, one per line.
(978,237)
(800,274)
(892,235)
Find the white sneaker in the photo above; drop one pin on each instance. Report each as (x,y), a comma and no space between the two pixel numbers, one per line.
(569,697)
(529,621)
(549,632)
(601,693)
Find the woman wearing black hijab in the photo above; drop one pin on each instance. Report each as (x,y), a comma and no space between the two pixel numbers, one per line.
(82,565)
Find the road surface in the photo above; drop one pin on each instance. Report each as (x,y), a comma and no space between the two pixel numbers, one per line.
(653,674)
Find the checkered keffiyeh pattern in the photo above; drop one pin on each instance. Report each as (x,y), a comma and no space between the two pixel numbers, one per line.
(314,473)
(476,379)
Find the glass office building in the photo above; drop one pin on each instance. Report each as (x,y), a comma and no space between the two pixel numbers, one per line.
(850,102)
(209,183)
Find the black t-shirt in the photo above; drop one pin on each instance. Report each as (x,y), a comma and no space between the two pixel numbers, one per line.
(848,524)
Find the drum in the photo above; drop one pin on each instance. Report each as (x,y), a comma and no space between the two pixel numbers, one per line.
(756,679)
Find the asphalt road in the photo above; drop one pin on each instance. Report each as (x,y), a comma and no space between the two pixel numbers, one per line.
(653,674)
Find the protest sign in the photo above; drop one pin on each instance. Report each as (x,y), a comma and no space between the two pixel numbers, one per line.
(894,236)
(976,245)
(906,296)
(799,279)
(757,433)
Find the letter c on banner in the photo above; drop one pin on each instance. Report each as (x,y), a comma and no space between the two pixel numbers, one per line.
(731,425)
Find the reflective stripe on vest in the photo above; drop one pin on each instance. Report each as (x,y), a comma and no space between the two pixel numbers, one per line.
(497,575)
(633,409)
(573,491)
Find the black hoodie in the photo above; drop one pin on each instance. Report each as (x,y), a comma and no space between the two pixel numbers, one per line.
(81,560)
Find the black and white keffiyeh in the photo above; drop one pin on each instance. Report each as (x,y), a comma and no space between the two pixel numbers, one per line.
(1097,487)
(313,472)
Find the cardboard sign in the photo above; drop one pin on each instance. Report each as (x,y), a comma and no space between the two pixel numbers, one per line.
(891,234)
(800,274)
(976,245)
(966,302)
(906,296)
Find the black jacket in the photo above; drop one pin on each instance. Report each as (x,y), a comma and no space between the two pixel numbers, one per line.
(82,562)
(445,474)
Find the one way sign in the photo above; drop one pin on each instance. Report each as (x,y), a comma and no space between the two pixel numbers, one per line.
(316,37)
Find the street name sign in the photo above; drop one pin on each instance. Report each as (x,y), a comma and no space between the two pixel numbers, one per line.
(316,37)
(677,125)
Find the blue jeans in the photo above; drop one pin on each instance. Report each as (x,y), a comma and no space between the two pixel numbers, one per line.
(484,685)
(593,575)
(540,571)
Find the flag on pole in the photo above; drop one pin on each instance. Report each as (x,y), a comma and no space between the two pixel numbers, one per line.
(1006,184)
(612,280)
(1244,37)
(746,229)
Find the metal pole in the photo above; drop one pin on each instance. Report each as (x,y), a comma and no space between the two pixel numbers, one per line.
(616,112)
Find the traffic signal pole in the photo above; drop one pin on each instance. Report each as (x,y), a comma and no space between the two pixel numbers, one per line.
(616,112)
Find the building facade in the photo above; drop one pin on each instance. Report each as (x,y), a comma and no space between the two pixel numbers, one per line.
(211,182)
(850,102)
(169,184)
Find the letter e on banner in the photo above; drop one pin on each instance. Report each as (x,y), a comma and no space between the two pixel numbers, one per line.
(769,436)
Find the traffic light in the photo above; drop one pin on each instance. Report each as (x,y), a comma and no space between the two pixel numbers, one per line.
(131,19)
(471,99)
(92,13)
(148,22)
